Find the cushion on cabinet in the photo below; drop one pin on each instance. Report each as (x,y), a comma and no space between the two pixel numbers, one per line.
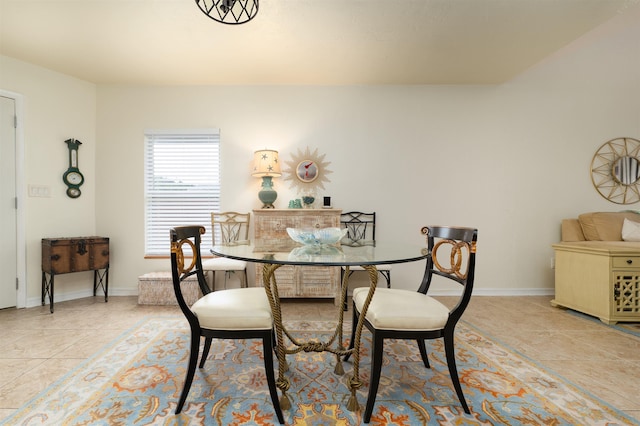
(605,226)
(571,230)
(630,230)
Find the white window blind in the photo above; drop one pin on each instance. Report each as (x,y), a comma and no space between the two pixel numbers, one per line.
(182,183)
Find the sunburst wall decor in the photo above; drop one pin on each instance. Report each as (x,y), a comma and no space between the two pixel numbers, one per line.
(307,171)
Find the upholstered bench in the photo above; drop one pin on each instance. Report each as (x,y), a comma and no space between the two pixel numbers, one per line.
(156,288)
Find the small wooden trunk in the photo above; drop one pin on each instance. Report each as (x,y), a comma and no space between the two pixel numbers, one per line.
(65,255)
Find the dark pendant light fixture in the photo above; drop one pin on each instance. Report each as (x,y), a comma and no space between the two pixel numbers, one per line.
(230,12)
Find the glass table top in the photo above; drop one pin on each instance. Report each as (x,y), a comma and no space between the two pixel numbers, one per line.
(326,255)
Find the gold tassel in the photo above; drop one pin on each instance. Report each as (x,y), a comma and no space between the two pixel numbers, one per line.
(285,403)
(353,405)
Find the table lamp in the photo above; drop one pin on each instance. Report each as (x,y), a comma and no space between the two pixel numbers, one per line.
(266,165)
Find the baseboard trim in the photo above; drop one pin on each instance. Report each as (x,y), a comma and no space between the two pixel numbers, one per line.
(73,295)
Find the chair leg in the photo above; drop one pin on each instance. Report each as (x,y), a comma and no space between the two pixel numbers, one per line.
(245,283)
(267,344)
(453,371)
(274,341)
(387,276)
(354,323)
(344,306)
(376,367)
(423,353)
(191,369)
(205,351)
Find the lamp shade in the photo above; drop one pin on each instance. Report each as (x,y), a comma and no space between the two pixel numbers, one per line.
(266,163)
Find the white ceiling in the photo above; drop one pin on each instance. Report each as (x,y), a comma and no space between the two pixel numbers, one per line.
(310,42)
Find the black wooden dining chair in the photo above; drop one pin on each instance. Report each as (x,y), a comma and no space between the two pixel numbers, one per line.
(361,231)
(407,314)
(241,313)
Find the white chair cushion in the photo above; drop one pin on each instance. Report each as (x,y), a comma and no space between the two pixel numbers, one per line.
(378,267)
(396,309)
(223,264)
(234,309)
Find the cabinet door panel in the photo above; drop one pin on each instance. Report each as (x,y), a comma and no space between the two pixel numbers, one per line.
(285,277)
(316,281)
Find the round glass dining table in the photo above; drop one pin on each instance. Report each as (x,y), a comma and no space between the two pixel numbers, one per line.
(367,256)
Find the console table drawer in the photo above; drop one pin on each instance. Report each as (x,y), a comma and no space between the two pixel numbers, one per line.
(626,262)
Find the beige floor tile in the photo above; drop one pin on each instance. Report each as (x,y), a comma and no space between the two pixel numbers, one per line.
(40,343)
(11,369)
(617,344)
(87,345)
(618,380)
(15,393)
(4,412)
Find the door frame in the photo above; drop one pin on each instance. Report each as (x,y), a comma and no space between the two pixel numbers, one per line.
(21,243)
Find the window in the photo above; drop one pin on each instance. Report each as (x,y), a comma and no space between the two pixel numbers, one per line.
(182,183)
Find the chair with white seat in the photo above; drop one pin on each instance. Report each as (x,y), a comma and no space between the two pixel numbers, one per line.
(241,313)
(233,228)
(407,314)
(361,231)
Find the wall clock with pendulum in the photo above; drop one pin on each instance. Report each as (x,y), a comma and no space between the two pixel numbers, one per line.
(72,177)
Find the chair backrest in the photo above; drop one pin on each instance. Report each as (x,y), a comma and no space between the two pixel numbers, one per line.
(361,228)
(186,261)
(452,255)
(231,227)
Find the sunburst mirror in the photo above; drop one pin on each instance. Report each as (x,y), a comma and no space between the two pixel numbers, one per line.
(615,170)
(307,172)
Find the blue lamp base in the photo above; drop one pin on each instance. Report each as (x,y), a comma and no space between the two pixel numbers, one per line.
(267,194)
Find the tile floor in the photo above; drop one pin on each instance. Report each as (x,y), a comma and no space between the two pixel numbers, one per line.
(36,347)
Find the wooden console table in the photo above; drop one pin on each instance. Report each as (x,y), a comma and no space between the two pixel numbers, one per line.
(66,255)
(270,235)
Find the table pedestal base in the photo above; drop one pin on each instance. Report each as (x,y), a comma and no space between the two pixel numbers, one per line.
(333,345)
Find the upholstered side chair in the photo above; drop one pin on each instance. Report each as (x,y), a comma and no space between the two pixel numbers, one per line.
(407,314)
(241,313)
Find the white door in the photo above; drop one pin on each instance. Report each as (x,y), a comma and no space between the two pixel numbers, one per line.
(8,207)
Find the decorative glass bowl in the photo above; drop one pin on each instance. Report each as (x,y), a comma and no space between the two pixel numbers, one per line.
(310,236)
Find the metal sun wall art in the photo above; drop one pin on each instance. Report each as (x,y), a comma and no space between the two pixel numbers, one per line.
(307,172)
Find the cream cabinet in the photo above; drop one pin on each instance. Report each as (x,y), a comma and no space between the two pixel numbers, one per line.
(602,281)
(270,235)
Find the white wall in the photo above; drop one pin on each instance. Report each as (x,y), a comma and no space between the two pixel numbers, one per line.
(512,160)
(56,107)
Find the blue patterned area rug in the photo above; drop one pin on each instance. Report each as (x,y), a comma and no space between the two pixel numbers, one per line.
(137,380)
